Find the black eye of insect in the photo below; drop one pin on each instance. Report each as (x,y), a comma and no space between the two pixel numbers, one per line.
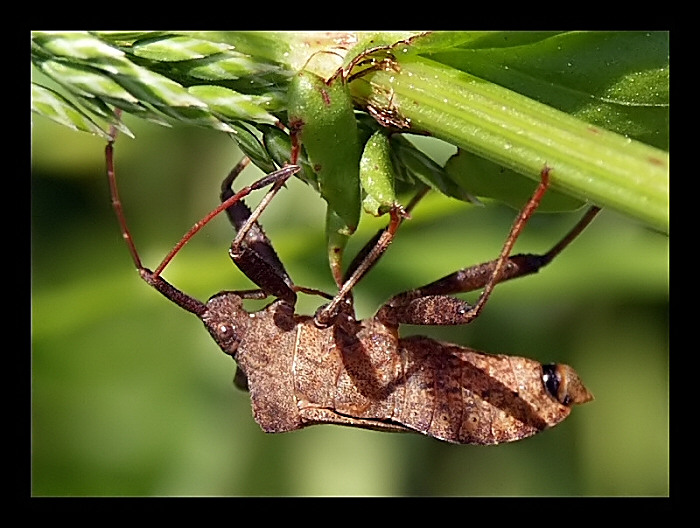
(551,379)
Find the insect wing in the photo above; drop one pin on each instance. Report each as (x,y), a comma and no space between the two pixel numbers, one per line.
(464,396)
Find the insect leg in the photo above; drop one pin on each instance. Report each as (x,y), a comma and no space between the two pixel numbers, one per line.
(251,250)
(365,260)
(432,305)
(283,173)
(153,277)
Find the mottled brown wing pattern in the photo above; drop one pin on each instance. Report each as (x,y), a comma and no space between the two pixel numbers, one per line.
(265,355)
(470,397)
(371,378)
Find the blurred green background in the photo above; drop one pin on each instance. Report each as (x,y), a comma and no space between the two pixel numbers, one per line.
(130,396)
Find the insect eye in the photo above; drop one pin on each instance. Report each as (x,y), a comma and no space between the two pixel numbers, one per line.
(551,377)
(226,336)
(564,385)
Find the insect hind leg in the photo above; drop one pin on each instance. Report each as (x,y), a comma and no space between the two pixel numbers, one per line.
(432,304)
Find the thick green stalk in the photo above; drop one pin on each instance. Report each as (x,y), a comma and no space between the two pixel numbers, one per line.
(517,132)
(218,79)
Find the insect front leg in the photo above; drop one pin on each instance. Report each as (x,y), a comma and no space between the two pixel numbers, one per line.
(432,304)
(245,222)
(251,250)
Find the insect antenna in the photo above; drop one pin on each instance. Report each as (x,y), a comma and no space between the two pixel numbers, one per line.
(116,202)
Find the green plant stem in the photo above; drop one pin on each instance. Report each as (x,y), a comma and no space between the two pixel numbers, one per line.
(514,131)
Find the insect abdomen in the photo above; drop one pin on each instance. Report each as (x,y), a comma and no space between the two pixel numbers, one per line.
(461,395)
(369,378)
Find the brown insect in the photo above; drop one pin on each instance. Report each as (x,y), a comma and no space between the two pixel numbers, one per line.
(333,369)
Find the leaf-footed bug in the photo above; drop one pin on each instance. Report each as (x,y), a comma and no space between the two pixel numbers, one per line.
(335,369)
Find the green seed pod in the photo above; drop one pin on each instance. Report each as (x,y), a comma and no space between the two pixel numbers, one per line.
(377,175)
(323,116)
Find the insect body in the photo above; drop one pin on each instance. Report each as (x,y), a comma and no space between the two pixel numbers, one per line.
(333,369)
(360,373)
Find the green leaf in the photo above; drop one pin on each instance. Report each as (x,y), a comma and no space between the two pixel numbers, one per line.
(75,46)
(251,146)
(617,80)
(416,165)
(488,180)
(436,41)
(234,105)
(176,48)
(56,107)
